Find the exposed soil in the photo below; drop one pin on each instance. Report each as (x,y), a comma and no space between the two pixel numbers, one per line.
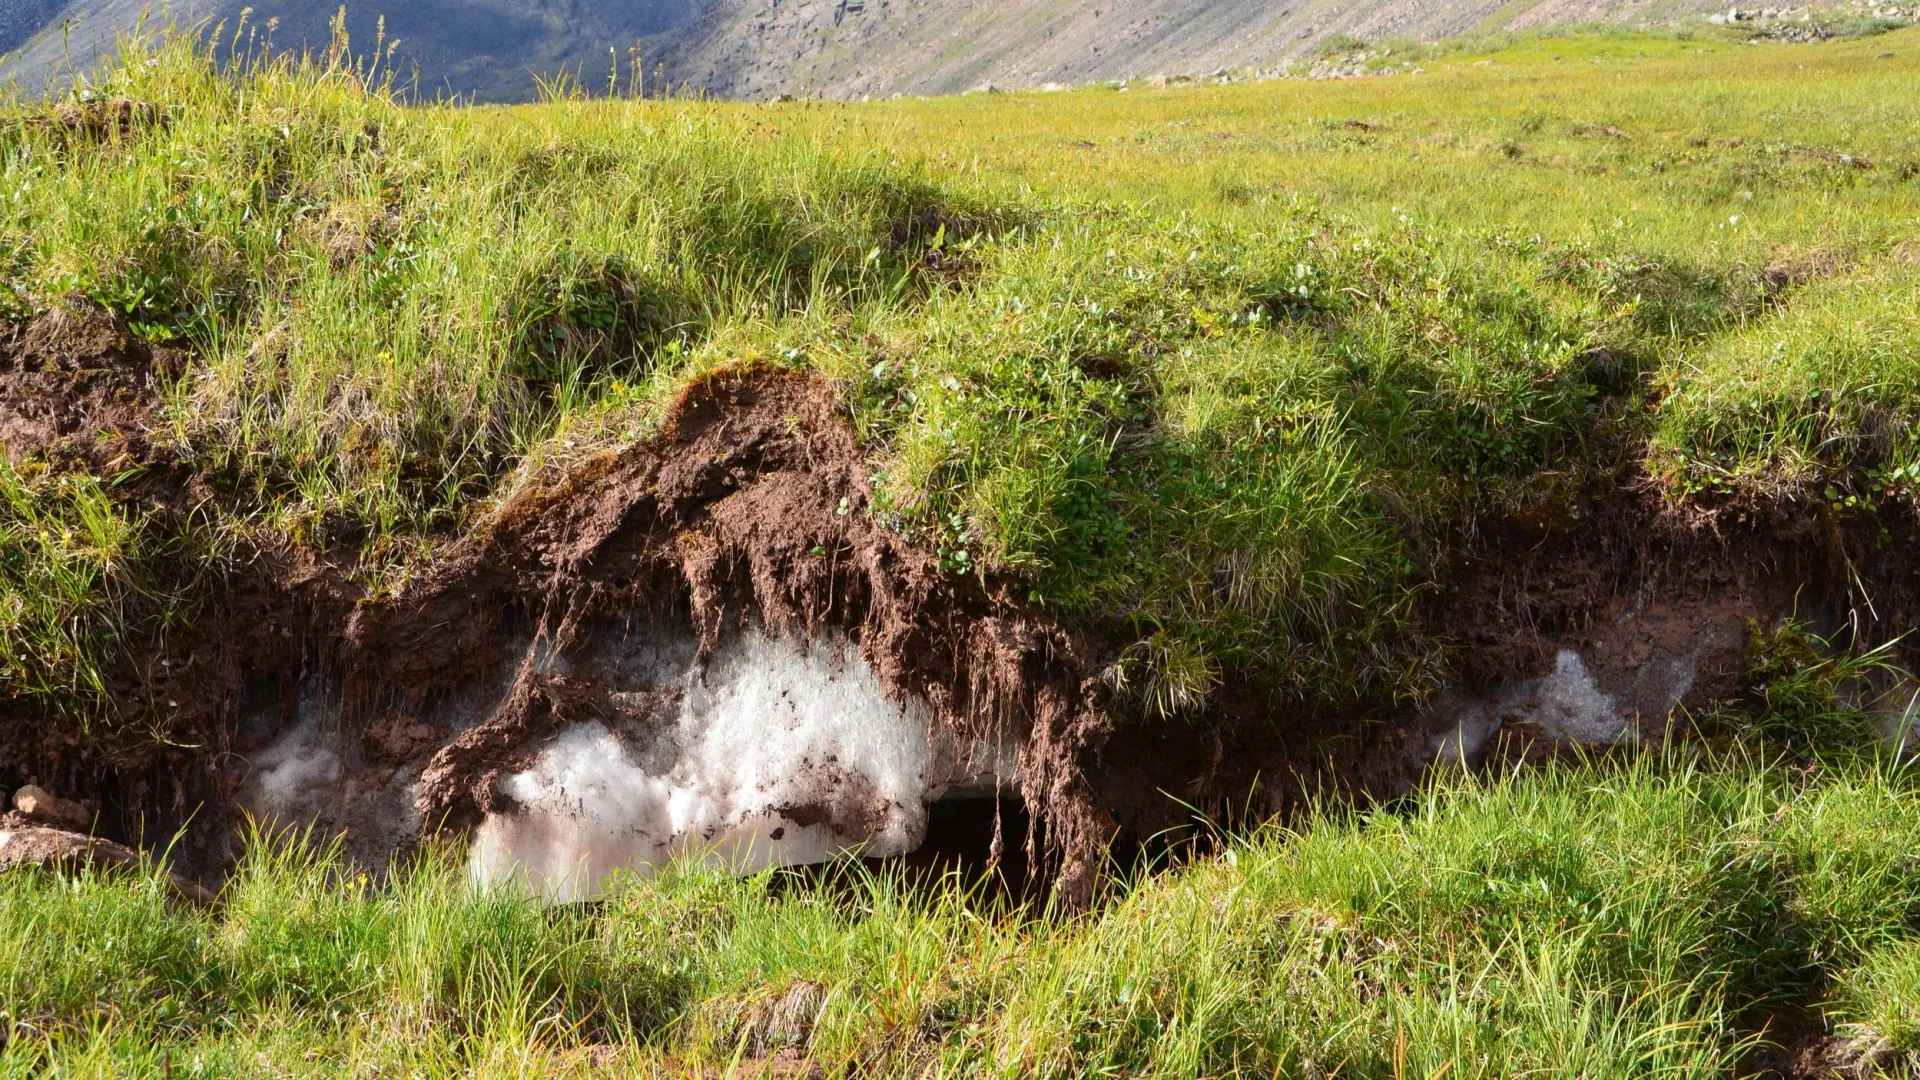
(74,122)
(79,393)
(76,386)
(751,505)
(1655,599)
(1626,578)
(1798,1046)
(749,510)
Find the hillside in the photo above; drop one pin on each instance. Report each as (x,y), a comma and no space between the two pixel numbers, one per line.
(848,49)
(20,21)
(1366,577)
(493,50)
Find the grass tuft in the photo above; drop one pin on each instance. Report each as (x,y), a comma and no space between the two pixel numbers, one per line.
(1645,918)
(1225,371)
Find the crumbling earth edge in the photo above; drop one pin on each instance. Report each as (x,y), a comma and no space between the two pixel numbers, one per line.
(751,507)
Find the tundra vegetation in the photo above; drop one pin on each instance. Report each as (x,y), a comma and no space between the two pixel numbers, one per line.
(1225,371)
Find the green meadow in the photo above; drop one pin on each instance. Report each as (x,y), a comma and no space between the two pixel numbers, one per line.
(1221,370)
(1672,917)
(1114,345)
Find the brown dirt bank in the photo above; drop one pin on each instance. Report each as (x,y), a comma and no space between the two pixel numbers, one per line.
(75,385)
(1587,620)
(78,393)
(750,506)
(1607,617)
(748,510)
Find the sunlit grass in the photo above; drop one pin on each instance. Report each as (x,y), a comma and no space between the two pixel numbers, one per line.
(1599,920)
(66,555)
(1218,368)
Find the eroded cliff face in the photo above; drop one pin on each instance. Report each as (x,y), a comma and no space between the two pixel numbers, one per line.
(701,647)
(704,646)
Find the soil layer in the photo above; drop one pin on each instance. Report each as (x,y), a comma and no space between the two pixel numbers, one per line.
(1594,618)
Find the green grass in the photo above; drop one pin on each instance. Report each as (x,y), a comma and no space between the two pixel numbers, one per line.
(1220,370)
(65,550)
(1646,919)
(1217,370)
(1819,400)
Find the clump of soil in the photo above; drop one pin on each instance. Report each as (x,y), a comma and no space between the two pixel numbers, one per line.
(72,122)
(751,506)
(77,387)
(1797,1045)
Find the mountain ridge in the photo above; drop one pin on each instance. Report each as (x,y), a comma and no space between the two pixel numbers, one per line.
(500,50)
(481,50)
(856,48)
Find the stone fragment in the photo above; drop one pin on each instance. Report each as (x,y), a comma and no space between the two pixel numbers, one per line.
(41,805)
(58,849)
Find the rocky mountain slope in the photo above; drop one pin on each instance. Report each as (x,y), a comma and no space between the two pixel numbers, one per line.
(496,50)
(22,19)
(853,48)
(489,50)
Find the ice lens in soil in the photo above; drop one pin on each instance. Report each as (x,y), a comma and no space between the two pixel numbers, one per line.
(775,752)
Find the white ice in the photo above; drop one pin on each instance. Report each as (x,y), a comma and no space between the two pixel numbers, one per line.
(777,753)
(1574,708)
(292,772)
